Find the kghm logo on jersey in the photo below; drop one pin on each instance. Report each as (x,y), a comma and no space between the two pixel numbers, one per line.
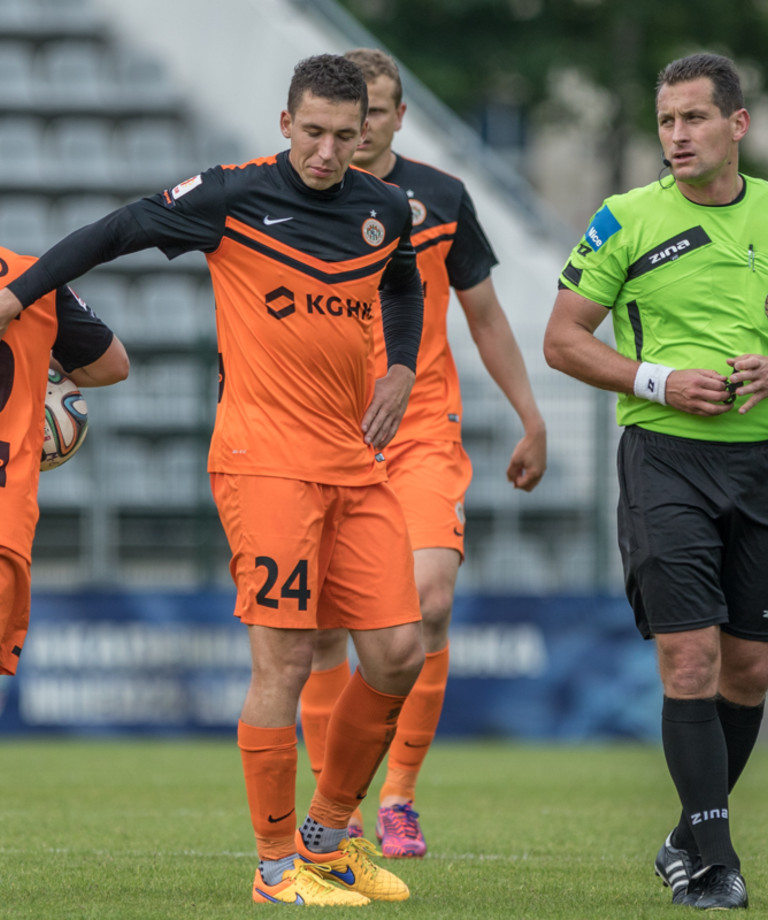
(373,231)
(282,303)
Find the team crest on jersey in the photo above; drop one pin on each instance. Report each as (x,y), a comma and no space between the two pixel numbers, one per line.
(186,186)
(373,232)
(418,211)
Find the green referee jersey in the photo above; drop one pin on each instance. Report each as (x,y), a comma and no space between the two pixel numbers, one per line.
(687,286)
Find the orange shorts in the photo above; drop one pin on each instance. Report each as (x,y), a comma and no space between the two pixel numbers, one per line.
(306,555)
(431,479)
(15,585)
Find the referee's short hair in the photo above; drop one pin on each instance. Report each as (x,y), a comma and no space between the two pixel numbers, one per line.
(727,94)
(329,76)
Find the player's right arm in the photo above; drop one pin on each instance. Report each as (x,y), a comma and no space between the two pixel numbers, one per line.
(176,223)
(401,297)
(570,346)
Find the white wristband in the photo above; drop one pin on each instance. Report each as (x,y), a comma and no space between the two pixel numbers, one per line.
(651,382)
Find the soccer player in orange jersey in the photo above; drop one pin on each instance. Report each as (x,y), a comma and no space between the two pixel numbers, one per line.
(304,252)
(427,466)
(57,330)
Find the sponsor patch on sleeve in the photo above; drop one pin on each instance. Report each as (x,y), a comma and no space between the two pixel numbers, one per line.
(603,226)
(572,274)
(186,186)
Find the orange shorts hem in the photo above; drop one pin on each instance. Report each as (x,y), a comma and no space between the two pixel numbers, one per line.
(307,555)
(431,479)
(15,586)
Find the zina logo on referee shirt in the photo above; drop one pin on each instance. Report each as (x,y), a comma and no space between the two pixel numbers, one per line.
(670,252)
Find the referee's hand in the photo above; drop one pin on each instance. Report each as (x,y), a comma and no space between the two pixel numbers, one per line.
(698,392)
(751,373)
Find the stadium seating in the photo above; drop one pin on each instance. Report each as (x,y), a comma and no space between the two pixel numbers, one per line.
(87,122)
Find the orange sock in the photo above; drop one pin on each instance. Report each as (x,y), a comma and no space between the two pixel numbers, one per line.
(360,731)
(269,766)
(416,727)
(318,698)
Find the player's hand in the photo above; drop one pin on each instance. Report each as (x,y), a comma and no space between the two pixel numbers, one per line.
(529,460)
(10,307)
(751,372)
(390,399)
(698,392)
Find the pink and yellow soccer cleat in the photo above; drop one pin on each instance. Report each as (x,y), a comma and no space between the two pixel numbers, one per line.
(399,833)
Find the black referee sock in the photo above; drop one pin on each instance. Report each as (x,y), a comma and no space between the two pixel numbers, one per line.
(741,727)
(697,758)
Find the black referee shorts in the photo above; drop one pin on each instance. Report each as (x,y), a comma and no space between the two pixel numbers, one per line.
(693,533)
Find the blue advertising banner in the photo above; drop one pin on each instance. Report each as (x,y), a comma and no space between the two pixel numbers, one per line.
(562,668)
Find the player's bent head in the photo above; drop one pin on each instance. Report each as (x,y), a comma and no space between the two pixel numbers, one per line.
(328,76)
(374,64)
(727,94)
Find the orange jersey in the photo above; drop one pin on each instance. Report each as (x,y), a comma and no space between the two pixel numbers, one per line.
(452,251)
(295,276)
(59,322)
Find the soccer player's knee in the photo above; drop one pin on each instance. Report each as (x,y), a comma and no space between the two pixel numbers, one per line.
(749,682)
(436,601)
(408,657)
(331,644)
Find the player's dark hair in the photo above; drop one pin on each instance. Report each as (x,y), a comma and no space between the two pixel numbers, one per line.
(726,86)
(374,64)
(329,76)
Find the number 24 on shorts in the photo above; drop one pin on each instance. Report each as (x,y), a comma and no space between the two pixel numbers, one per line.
(293,588)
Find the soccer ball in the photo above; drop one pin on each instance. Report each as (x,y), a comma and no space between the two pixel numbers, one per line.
(66,421)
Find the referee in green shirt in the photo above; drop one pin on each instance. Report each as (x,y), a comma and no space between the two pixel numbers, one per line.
(681,265)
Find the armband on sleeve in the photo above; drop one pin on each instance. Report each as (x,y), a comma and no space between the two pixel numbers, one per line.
(651,382)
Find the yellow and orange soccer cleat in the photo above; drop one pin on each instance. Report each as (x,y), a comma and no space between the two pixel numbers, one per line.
(352,868)
(305,885)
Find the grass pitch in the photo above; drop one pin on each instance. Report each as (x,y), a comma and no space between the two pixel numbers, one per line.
(158,830)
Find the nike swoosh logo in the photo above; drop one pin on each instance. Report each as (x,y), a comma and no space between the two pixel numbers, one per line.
(408,744)
(281,818)
(268,221)
(347,876)
(458,532)
(299,899)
